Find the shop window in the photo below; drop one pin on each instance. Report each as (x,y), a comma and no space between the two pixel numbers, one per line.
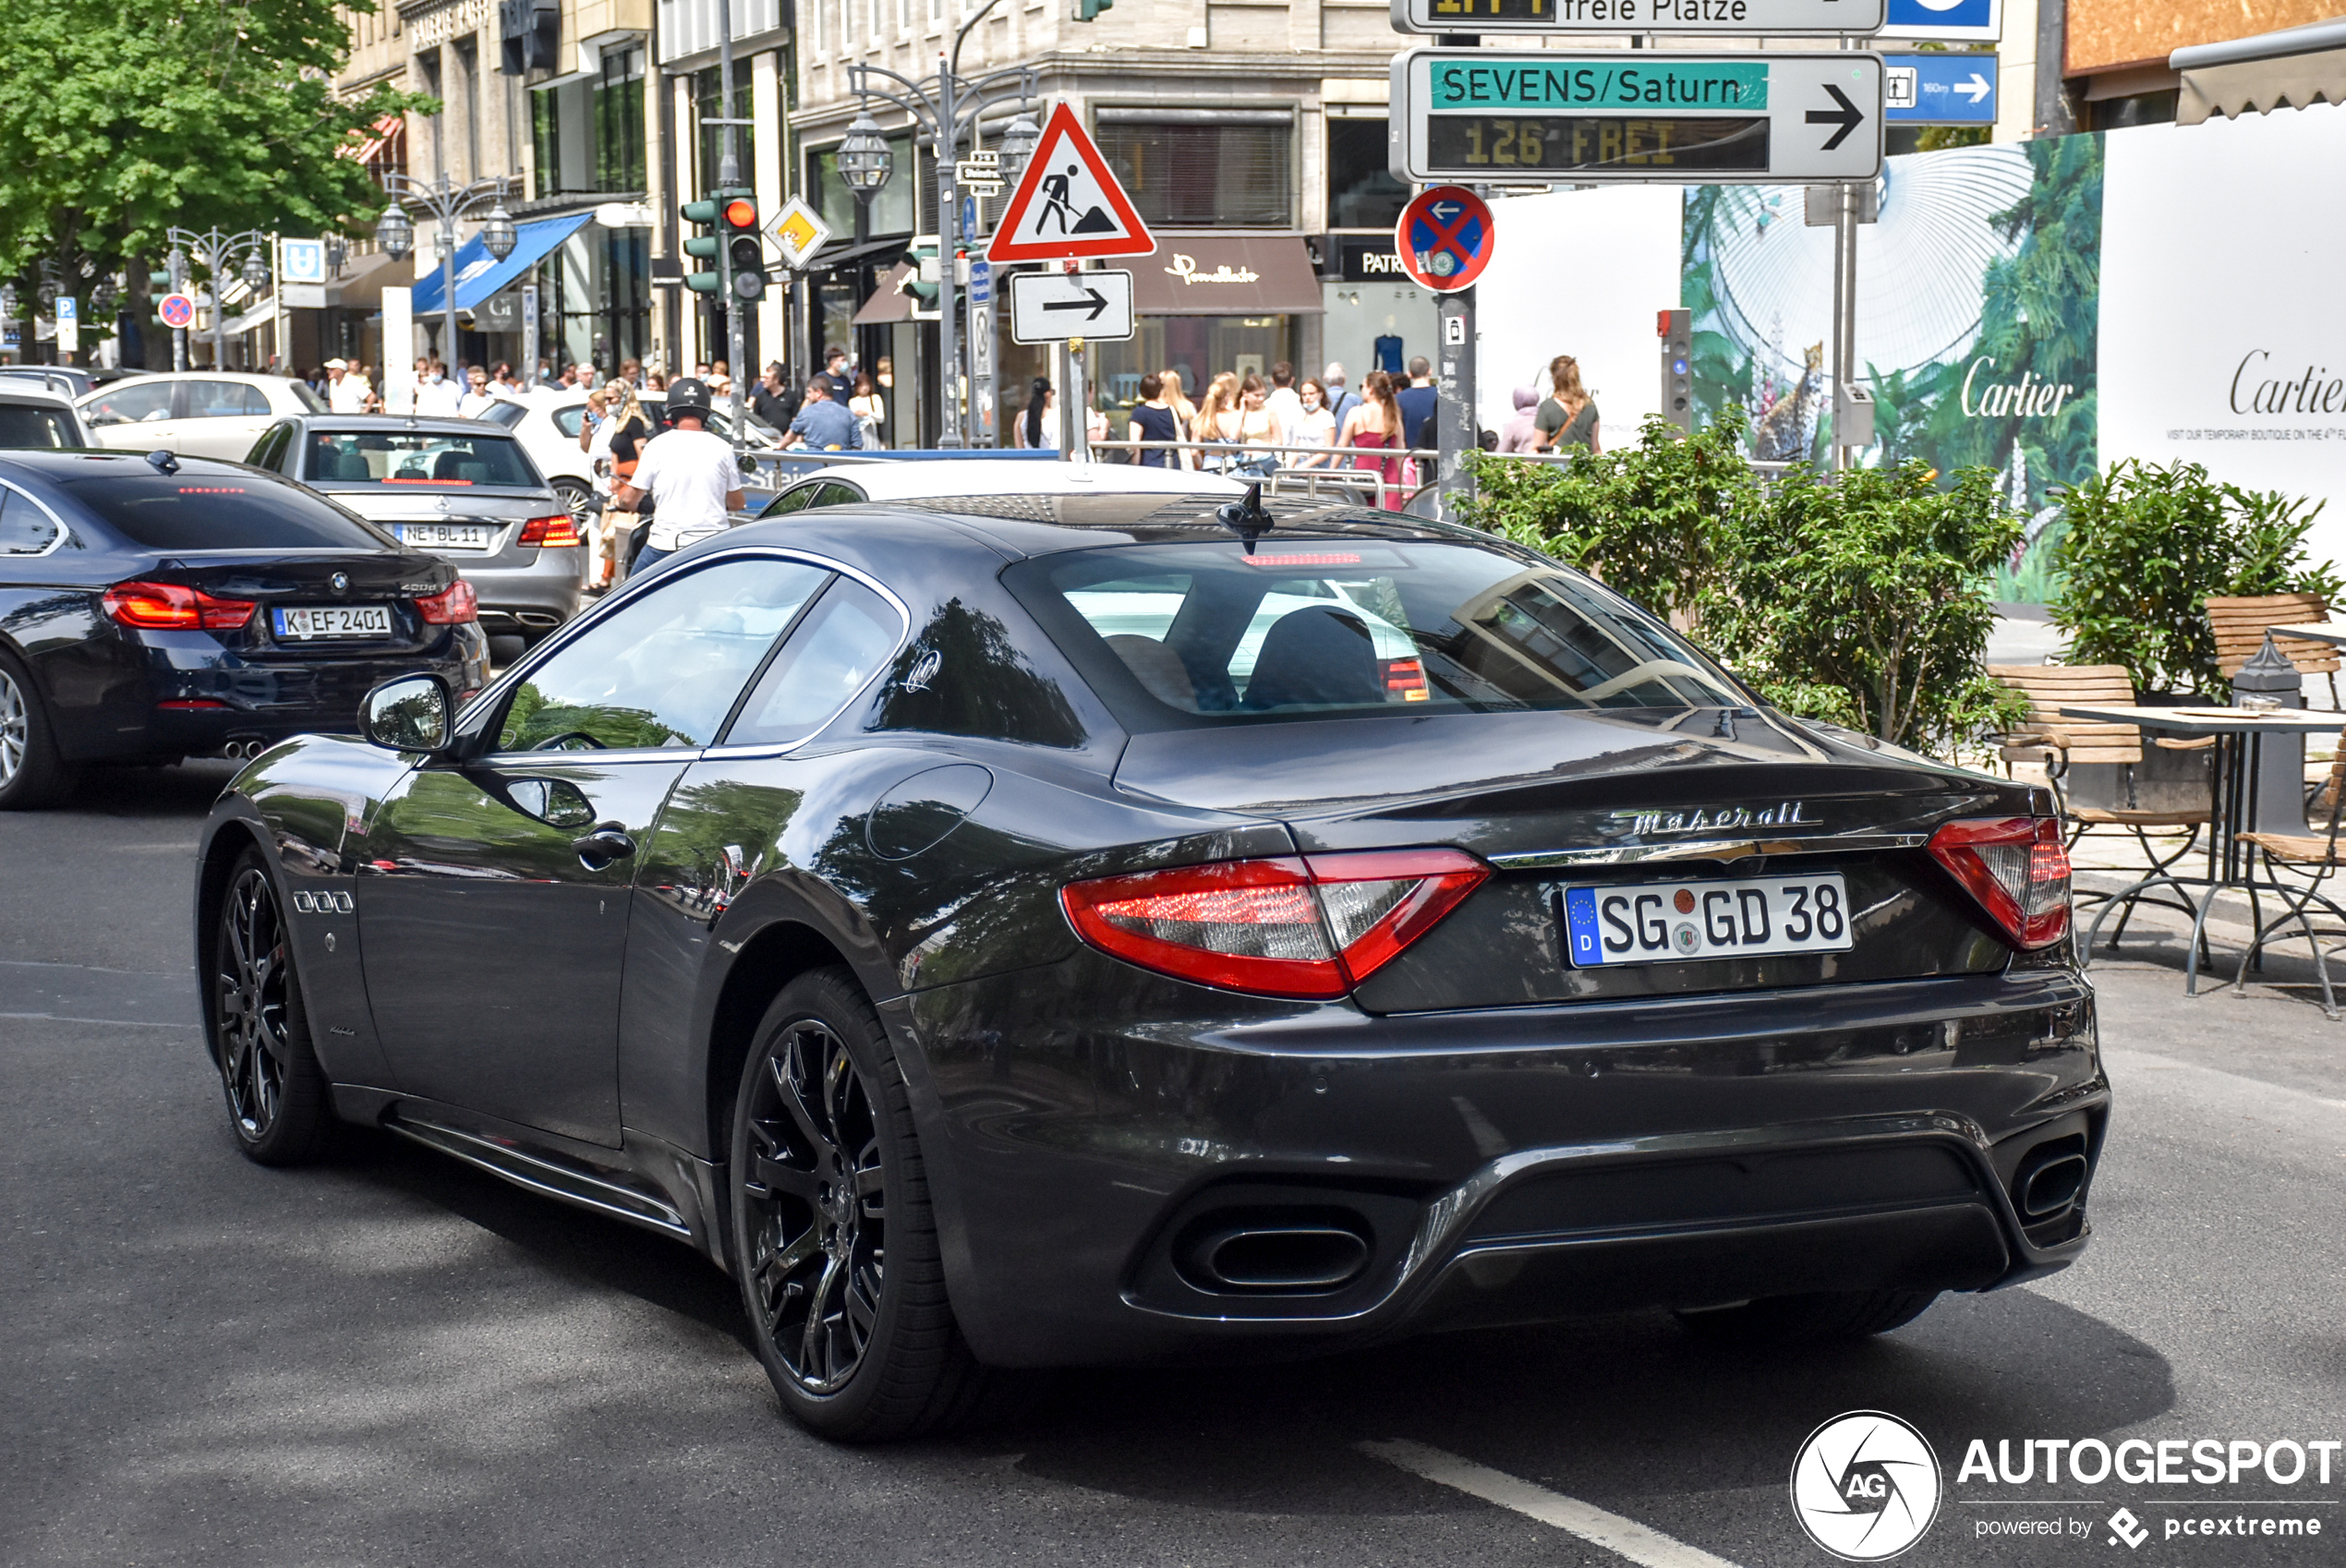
(619,123)
(709,105)
(910,189)
(1362,193)
(1206,175)
(589,132)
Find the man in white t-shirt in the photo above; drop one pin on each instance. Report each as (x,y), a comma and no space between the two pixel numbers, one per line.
(690,475)
(436,396)
(1286,405)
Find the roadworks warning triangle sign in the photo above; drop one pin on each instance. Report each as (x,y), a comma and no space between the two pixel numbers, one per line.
(1067,204)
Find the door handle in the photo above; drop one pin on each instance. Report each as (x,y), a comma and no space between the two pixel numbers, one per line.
(599,849)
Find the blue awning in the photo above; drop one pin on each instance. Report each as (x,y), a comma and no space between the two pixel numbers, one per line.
(479,274)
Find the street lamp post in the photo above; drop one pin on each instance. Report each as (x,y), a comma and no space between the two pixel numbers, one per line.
(947,106)
(447,201)
(215,250)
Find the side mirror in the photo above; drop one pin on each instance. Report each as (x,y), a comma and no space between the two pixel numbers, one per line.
(749,463)
(411,714)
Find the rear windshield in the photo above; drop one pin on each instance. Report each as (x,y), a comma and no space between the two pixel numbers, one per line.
(28,425)
(221,512)
(416,457)
(1309,629)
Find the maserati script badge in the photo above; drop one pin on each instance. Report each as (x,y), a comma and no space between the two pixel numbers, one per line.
(1785,813)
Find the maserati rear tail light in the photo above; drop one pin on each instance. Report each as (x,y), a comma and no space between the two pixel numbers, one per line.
(1405,678)
(1311,927)
(174,607)
(550,532)
(2018,870)
(452,605)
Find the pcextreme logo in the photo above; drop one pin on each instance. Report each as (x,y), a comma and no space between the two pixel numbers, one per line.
(1865,1486)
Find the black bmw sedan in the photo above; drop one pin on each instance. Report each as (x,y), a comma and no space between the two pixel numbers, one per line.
(157,606)
(1026,932)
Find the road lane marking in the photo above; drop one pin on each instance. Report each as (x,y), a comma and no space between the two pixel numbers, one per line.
(1647,1547)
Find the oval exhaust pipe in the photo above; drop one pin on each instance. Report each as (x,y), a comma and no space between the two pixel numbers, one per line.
(2052,1187)
(1279,1258)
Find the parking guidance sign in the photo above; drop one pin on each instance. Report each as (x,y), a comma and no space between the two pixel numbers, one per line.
(1488,116)
(1771,18)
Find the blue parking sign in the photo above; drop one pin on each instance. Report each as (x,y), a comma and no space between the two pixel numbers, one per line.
(1970,21)
(1939,89)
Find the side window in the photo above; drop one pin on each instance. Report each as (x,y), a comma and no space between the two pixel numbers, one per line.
(790,500)
(834,493)
(664,669)
(844,641)
(269,451)
(131,404)
(25,529)
(221,400)
(256,402)
(568,420)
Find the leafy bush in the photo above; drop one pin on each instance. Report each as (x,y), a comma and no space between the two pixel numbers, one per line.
(1646,519)
(2143,545)
(1865,601)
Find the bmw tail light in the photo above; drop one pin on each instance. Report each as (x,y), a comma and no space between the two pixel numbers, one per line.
(1311,927)
(2018,870)
(174,607)
(452,605)
(550,532)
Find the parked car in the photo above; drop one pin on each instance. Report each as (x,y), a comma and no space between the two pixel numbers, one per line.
(465,489)
(952,918)
(844,484)
(156,608)
(32,417)
(548,427)
(66,380)
(194,413)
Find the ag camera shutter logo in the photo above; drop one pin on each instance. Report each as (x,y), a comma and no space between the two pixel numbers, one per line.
(1866,1486)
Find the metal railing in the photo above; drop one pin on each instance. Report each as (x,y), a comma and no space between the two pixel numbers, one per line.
(1261,461)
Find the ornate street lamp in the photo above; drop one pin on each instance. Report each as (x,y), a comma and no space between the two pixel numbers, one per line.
(864,160)
(337,252)
(498,233)
(7,302)
(1018,145)
(395,233)
(255,270)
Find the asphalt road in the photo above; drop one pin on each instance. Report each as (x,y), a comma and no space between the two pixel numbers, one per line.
(397,1360)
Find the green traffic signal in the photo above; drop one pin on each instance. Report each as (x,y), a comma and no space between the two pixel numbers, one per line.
(705,212)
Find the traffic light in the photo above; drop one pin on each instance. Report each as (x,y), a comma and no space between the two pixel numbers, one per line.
(1677,328)
(1088,11)
(745,246)
(704,214)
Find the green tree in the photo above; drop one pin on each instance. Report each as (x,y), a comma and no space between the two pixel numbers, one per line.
(2144,547)
(119,118)
(1863,599)
(1645,518)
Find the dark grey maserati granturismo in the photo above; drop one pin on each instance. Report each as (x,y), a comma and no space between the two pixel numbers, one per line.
(1029,931)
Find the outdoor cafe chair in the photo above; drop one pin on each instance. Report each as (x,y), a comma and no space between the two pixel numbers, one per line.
(2059,743)
(2315,856)
(2240,625)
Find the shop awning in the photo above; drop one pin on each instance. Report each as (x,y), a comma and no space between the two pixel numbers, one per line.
(2294,67)
(479,274)
(889,302)
(369,149)
(1225,275)
(363,280)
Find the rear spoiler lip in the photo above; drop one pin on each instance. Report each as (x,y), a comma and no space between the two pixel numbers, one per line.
(1718,850)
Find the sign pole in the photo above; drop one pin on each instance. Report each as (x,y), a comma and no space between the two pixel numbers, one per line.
(1845,311)
(1458,429)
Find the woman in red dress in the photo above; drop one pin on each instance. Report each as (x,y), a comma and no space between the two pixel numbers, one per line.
(1374,426)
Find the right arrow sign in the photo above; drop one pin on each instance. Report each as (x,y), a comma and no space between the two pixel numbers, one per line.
(1052,307)
(1502,117)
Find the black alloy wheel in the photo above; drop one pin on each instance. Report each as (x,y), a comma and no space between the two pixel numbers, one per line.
(31,773)
(833,1239)
(277,1099)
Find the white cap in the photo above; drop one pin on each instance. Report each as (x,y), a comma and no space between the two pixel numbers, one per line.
(337,364)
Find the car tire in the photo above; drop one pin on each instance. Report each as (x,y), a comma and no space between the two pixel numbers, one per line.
(1809,1319)
(833,1238)
(32,773)
(574,494)
(279,1106)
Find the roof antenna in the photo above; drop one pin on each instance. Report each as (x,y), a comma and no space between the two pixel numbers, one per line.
(165,462)
(1246,518)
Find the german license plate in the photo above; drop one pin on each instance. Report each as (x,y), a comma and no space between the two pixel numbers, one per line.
(302,623)
(1654,921)
(447,536)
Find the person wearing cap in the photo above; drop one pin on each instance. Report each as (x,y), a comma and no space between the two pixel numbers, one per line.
(343,395)
(690,475)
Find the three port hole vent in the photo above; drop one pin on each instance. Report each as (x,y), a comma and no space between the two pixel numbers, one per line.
(1273,1251)
(2049,1177)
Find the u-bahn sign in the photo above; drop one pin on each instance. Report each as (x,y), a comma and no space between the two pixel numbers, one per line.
(1488,117)
(1767,18)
